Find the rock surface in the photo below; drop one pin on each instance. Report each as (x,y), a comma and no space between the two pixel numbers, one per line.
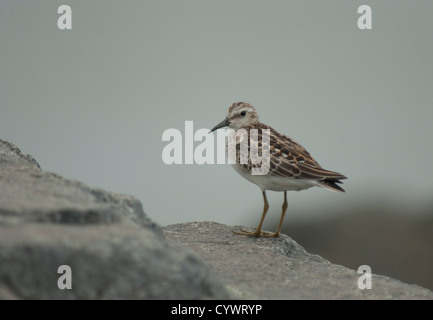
(114,250)
(268,268)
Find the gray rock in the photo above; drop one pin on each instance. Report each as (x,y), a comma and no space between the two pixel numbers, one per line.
(107,262)
(114,250)
(279,268)
(28,194)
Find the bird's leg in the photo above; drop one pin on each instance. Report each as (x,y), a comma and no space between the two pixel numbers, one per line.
(285,205)
(258,232)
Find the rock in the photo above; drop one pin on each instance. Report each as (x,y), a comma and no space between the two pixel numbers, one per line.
(115,251)
(391,239)
(29,194)
(113,248)
(279,268)
(107,262)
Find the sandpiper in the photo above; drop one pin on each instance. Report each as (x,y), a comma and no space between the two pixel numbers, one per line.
(291,166)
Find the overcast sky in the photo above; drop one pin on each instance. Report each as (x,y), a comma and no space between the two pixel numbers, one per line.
(92,103)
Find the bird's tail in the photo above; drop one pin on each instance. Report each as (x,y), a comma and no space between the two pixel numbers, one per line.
(331,184)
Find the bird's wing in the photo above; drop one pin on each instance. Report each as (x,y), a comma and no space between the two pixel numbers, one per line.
(289,159)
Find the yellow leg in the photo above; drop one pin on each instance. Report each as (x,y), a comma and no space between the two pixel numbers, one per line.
(258,232)
(285,205)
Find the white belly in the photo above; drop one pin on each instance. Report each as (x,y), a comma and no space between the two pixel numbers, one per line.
(275,183)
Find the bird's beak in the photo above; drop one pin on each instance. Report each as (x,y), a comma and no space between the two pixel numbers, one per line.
(222,124)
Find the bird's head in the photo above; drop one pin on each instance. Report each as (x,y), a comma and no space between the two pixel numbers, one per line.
(239,115)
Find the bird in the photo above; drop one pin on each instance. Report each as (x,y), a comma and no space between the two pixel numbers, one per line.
(291,166)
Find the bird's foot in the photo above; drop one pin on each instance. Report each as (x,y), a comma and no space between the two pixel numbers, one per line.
(257,233)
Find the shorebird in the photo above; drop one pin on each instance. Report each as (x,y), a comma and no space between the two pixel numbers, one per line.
(291,167)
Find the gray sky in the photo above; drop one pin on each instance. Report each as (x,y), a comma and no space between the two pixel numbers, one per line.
(91,103)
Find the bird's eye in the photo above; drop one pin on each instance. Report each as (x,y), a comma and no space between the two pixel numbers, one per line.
(243,113)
